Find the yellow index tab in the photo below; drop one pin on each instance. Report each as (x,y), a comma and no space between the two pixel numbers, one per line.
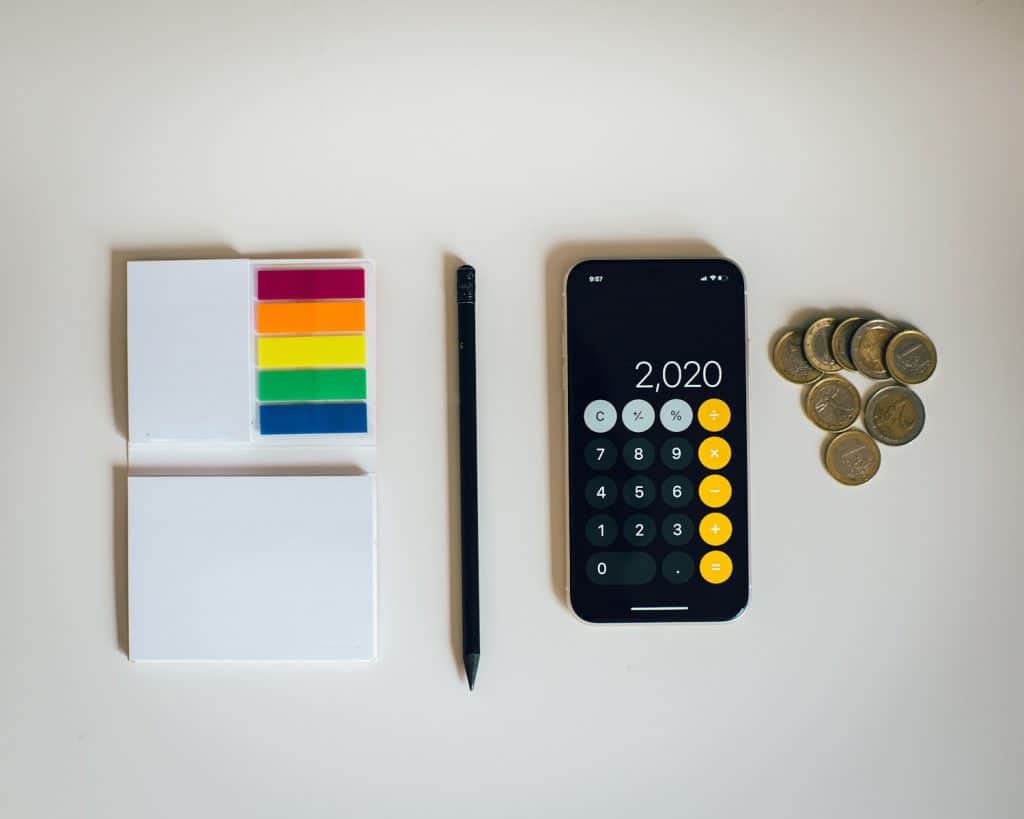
(311,351)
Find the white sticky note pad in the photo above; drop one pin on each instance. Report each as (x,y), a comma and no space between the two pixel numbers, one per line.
(252,568)
(189,359)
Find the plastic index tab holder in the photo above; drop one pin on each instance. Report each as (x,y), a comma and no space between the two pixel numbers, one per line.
(243,375)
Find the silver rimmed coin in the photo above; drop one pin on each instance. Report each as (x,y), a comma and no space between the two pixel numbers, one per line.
(867,347)
(841,341)
(852,458)
(788,358)
(833,403)
(910,357)
(818,345)
(894,415)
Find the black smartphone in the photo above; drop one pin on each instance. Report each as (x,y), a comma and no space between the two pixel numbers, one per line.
(655,356)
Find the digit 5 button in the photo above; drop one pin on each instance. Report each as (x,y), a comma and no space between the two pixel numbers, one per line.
(714,452)
(714,415)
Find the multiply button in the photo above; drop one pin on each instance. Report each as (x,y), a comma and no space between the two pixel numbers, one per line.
(675,415)
(715,529)
(716,567)
(715,491)
(714,415)
(638,415)
(714,452)
(599,416)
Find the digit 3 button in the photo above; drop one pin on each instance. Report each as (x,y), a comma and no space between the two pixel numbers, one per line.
(714,415)
(714,452)
(716,567)
(677,530)
(715,529)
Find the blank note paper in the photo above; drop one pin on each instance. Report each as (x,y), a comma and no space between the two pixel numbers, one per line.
(251,567)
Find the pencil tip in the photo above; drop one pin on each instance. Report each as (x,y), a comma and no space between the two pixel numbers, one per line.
(472,662)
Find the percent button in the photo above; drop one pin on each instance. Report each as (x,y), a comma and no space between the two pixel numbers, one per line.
(676,415)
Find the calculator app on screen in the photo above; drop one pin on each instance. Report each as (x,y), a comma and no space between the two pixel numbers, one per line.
(656,401)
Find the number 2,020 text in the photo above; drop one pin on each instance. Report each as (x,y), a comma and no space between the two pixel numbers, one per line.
(692,374)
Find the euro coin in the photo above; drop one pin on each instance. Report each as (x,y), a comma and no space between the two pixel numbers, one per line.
(818,346)
(852,458)
(788,358)
(867,347)
(894,415)
(910,357)
(841,341)
(833,403)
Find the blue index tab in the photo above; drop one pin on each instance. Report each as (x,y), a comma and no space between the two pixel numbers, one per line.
(305,419)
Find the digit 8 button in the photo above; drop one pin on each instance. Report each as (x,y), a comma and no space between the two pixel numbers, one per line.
(638,453)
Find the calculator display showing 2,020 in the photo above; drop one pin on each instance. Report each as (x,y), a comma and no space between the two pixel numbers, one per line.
(656,409)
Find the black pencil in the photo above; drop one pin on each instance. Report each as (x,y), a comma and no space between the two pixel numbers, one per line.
(465,298)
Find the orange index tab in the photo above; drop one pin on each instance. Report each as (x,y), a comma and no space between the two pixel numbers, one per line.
(311,317)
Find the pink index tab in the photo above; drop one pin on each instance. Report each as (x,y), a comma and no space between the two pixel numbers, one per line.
(292,283)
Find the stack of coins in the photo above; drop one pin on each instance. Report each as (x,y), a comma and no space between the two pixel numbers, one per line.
(877,349)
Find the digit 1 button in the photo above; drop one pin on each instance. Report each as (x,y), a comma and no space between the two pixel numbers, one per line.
(714,452)
(716,567)
(715,491)
(638,492)
(638,453)
(601,530)
(714,415)
(676,453)
(600,454)
(638,415)
(677,567)
(599,416)
(600,492)
(677,530)
(638,530)
(715,529)
(676,491)
(621,568)
(675,415)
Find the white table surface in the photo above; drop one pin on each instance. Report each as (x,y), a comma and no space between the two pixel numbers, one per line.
(866,157)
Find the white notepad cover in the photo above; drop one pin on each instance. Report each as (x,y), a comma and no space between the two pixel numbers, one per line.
(247,567)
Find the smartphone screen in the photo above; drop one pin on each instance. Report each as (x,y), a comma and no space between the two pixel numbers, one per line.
(656,402)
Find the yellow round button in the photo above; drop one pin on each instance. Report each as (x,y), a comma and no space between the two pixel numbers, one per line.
(714,415)
(716,567)
(715,491)
(715,529)
(714,452)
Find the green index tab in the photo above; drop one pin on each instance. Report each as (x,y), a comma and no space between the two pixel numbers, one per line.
(312,385)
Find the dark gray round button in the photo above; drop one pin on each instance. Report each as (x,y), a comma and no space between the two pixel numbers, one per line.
(601,530)
(677,453)
(601,492)
(639,530)
(638,492)
(677,530)
(676,491)
(677,567)
(600,454)
(638,453)
(621,568)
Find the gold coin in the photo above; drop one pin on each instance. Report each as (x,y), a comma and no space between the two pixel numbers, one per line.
(818,346)
(788,358)
(894,415)
(833,403)
(910,357)
(852,458)
(841,340)
(867,347)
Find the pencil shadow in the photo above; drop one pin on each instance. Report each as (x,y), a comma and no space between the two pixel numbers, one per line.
(449,264)
(559,261)
(118,362)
